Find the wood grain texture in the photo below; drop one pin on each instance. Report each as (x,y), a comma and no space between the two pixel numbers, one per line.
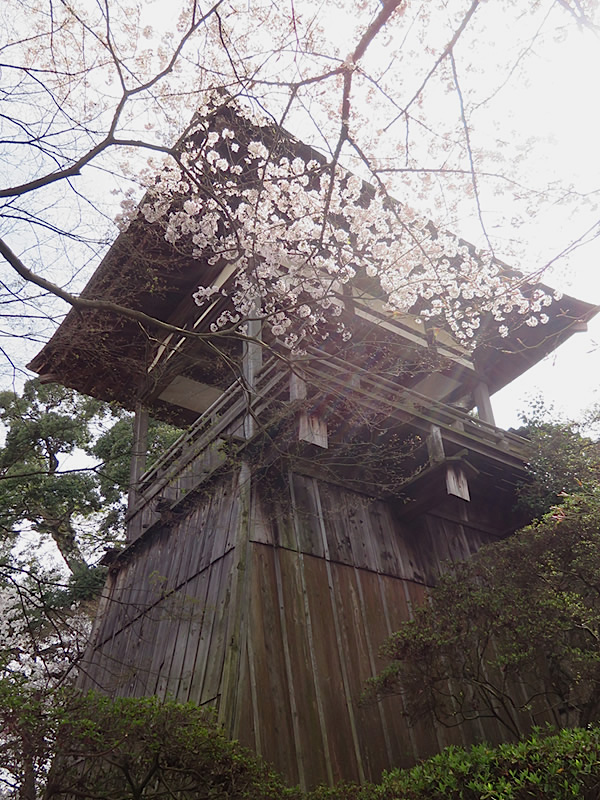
(271,603)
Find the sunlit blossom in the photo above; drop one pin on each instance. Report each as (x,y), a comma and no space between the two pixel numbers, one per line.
(297,239)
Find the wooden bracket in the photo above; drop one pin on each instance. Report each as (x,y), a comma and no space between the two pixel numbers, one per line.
(311,427)
(435,445)
(456,482)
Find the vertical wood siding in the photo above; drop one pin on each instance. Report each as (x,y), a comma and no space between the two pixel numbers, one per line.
(271,604)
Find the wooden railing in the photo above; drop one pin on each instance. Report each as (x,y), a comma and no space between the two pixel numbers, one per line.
(203,448)
(382,395)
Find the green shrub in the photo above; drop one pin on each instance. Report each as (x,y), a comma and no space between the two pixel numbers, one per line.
(69,746)
(523,612)
(63,745)
(544,766)
(142,748)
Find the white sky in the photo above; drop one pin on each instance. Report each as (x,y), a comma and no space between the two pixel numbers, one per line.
(566,107)
(558,101)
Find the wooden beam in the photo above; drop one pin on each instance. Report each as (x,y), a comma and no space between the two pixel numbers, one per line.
(252,361)
(311,427)
(481,395)
(435,445)
(138,453)
(297,386)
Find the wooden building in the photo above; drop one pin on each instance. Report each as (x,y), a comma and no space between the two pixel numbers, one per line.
(301,515)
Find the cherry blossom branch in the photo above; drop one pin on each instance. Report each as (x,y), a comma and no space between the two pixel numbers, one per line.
(388,8)
(110,139)
(578,13)
(445,53)
(84,303)
(469,150)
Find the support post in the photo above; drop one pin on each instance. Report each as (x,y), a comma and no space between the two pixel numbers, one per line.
(138,453)
(251,365)
(435,445)
(481,395)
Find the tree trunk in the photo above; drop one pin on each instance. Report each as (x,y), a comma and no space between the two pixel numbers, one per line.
(63,534)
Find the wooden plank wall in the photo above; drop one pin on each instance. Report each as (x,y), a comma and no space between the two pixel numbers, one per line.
(332,574)
(162,624)
(271,603)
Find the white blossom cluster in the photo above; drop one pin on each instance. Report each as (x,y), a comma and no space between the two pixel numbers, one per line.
(299,232)
(42,651)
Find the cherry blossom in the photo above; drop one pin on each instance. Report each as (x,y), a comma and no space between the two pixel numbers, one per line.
(392,93)
(42,652)
(304,234)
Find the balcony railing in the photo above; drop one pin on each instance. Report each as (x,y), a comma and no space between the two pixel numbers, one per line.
(205,447)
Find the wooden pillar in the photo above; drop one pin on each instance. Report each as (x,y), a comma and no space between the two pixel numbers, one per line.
(231,705)
(481,395)
(138,453)
(251,365)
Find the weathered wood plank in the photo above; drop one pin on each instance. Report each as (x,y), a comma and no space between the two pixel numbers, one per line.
(360,533)
(305,510)
(214,671)
(340,639)
(120,592)
(396,557)
(424,732)
(338,535)
(136,647)
(452,535)
(313,763)
(185,611)
(356,655)
(175,607)
(197,589)
(147,571)
(237,634)
(188,567)
(223,520)
(281,519)
(198,530)
(261,529)
(203,533)
(156,653)
(235,500)
(384,610)
(212,575)
(274,712)
(328,677)
(116,673)
(138,654)
(243,724)
(295,700)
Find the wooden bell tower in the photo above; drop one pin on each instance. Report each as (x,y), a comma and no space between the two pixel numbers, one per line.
(296,523)
(303,512)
